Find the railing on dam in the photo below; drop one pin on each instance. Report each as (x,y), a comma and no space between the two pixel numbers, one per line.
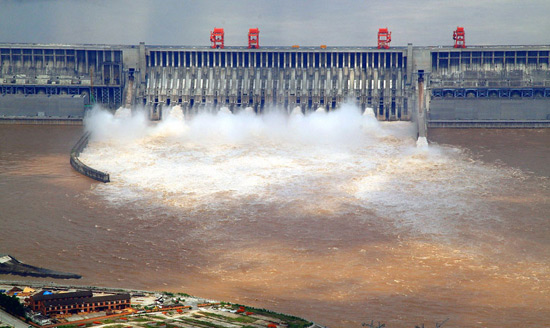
(489,124)
(83,168)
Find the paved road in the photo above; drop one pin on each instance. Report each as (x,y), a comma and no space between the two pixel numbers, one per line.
(8,319)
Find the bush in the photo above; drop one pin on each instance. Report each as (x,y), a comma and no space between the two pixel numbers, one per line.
(292,321)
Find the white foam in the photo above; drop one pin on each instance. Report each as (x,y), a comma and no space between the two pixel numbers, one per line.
(422,142)
(321,110)
(174,113)
(369,112)
(332,159)
(297,111)
(225,110)
(123,112)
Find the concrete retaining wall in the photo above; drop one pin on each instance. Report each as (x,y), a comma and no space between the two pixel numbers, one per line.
(489,124)
(41,120)
(83,168)
(489,109)
(42,106)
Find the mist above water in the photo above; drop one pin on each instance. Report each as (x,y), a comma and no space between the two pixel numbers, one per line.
(331,160)
(294,213)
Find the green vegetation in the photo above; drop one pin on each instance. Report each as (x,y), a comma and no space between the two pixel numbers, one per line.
(139,319)
(168,294)
(201,323)
(293,322)
(67,326)
(241,319)
(156,317)
(11,305)
(148,325)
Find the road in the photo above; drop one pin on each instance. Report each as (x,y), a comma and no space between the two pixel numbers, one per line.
(8,319)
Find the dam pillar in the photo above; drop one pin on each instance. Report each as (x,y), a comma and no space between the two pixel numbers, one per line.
(409,63)
(421,114)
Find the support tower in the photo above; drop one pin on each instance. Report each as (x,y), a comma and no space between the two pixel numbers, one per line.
(216,37)
(459,37)
(384,38)
(254,38)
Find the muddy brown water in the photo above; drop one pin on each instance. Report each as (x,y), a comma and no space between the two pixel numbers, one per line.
(324,255)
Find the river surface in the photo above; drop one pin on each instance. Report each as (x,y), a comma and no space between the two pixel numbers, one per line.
(333,217)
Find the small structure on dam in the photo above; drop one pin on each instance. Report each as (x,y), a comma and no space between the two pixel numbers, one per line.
(474,86)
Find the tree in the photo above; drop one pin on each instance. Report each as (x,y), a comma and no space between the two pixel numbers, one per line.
(11,305)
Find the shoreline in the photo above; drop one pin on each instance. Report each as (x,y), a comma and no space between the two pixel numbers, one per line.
(53,284)
(35,120)
(204,302)
(11,266)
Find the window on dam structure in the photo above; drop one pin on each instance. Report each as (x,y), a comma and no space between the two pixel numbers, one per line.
(187,59)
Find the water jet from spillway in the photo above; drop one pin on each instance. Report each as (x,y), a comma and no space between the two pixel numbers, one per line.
(225,110)
(174,113)
(297,111)
(123,112)
(422,142)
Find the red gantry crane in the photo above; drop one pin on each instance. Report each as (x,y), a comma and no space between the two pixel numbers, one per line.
(216,37)
(254,38)
(384,38)
(459,37)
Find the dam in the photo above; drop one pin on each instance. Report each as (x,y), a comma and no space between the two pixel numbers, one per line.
(477,86)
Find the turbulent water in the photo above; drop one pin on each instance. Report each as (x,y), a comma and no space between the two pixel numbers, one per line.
(318,163)
(332,216)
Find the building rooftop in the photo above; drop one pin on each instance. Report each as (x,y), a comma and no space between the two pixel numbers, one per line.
(60,296)
(86,300)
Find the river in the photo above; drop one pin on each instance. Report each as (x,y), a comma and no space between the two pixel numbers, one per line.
(335,218)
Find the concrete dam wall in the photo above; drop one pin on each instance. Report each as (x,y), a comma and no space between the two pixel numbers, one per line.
(489,87)
(492,83)
(284,78)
